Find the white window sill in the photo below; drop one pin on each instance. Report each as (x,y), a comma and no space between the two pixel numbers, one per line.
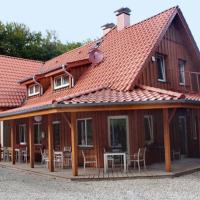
(59,87)
(163,81)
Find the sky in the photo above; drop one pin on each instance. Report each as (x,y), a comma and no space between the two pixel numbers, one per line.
(79,20)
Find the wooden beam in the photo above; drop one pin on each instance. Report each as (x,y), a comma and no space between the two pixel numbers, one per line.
(167,140)
(74,145)
(31,143)
(100,108)
(13,140)
(50,144)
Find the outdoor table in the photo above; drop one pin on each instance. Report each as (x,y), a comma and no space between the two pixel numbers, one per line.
(107,154)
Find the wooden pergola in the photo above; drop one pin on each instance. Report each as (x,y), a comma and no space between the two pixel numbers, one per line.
(167,117)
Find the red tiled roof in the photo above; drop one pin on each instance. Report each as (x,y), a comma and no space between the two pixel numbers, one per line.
(142,94)
(12,69)
(125,53)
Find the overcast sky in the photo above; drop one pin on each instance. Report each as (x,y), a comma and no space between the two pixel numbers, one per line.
(78,20)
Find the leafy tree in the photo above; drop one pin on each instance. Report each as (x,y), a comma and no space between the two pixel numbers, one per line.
(17,40)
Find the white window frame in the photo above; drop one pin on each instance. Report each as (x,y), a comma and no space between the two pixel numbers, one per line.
(85,119)
(150,124)
(34,90)
(163,67)
(181,63)
(127,129)
(62,84)
(24,127)
(38,123)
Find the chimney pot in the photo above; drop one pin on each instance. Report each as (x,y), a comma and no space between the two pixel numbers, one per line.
(107,27)
(123,18)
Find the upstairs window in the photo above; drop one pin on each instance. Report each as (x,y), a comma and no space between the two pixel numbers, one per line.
(148,129)
(181,71)
(33,90)
(160,62)
(61,81)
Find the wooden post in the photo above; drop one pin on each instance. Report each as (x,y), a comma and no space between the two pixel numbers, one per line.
(166,140)
(31,142)
(50,144)
(74,145)
(13,140)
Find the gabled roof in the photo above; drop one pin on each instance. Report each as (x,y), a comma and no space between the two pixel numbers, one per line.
(13,69)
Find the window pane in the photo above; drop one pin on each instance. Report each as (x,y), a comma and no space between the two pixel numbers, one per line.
(118,133)
(37,88)
(37,134)
(89,132)
(81,132)
(58,82)
(161,67)
(65,80)
(31,90)
(56,135)
(181,72)
(147,129)
(22,134)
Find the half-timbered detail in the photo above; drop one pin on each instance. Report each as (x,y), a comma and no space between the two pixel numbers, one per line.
(132,94)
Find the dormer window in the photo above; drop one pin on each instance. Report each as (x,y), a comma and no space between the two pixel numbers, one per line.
(61,82)
(33,90)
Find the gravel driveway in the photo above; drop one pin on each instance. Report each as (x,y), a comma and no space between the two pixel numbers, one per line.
(23,185)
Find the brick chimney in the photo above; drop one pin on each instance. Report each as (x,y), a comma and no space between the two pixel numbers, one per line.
(107,27)
(123,18)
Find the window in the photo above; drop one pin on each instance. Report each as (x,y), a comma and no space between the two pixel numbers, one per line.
(160,62)
(37,133)
(118,132)
(61,81)
(22,133)
(33,90)
(195,132)
(148,129)
(181,68)
(56,135)
(84,132)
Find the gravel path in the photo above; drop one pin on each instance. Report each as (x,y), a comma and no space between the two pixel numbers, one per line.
(23,185)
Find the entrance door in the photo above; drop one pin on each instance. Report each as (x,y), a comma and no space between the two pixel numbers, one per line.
(118,132)
(56,136)
(183,135)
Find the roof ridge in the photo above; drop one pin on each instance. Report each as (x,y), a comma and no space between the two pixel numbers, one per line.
(163,91)
(160,13)
(20,58)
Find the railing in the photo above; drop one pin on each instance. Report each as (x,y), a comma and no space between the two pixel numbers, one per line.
(191,81)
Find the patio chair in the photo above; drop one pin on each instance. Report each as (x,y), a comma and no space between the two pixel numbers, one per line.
(89,160)
(176,154)
(138,157)
(44,158)
(67,155)
(24,154)
(58,159)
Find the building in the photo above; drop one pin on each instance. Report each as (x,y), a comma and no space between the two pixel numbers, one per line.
(137,86)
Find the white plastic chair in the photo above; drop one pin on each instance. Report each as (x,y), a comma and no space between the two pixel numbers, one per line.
(58,159)
(44,158)
(89,160)
(24,155)
(138,157)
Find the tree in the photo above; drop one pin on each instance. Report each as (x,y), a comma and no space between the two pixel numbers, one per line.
(17,40)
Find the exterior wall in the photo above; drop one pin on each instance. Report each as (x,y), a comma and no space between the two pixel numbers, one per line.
(155,151)
(174,47)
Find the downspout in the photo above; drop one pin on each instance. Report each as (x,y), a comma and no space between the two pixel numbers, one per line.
(67,73)
(36,82)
